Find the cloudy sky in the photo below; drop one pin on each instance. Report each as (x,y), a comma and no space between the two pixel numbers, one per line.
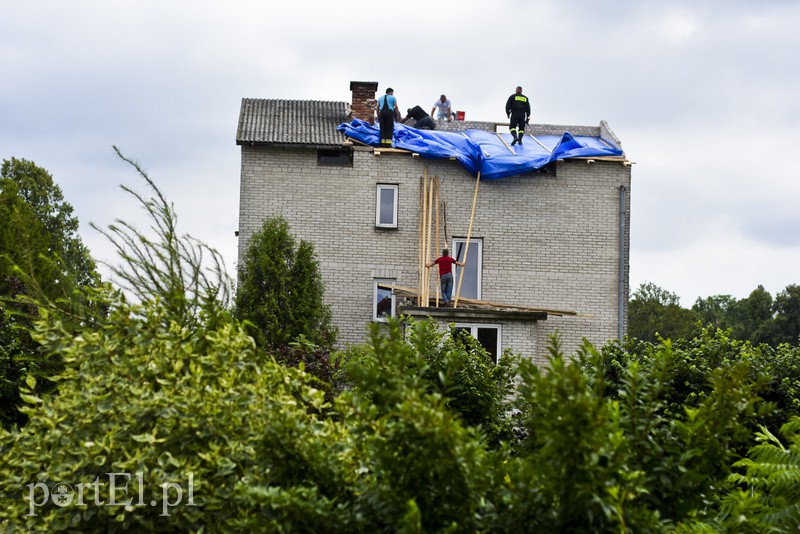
(705,97)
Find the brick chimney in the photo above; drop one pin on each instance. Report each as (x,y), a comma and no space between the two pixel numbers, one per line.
(363,103)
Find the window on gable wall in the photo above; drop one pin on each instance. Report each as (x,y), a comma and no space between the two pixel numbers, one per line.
(488,335)
(334,157)
(383,302)
(472,273)
(386,206)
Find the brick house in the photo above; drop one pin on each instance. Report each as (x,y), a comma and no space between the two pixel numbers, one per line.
(548,250)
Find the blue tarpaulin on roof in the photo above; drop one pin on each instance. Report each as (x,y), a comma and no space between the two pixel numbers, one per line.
(484,152)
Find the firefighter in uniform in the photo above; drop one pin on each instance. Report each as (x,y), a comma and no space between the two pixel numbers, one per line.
(387,113)
(518,109)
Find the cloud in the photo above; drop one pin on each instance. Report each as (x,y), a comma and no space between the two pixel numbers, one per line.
(702,95)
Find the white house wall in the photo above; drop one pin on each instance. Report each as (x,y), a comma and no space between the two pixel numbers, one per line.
(548,241)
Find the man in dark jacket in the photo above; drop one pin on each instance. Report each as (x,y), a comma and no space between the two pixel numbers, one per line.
(518,109)
(423,120)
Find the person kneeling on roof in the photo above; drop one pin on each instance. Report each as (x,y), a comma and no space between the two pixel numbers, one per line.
(423,120)
(446,262)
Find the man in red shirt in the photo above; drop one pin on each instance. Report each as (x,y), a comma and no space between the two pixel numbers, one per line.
(446,262)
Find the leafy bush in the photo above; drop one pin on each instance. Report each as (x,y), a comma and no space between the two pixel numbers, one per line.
(170,394)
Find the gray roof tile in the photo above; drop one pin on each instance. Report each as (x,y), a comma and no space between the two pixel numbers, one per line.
(300,122)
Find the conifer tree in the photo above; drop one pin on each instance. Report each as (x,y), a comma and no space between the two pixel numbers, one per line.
(280,289)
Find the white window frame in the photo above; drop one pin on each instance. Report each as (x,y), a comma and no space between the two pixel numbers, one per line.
(475,243)
(473,331)
(389,281)
(378,190)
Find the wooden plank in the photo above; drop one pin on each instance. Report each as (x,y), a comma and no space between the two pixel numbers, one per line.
(437,244)
(419,230)
(428,244)
(469,235)
(609,145)
(504,142)
(411,293)
(379,151)
(540,143)
(618,159)
(351,141)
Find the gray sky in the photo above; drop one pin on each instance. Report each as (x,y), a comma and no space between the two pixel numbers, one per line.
(705,97)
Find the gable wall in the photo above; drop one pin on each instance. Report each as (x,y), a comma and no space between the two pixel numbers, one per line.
(549,241)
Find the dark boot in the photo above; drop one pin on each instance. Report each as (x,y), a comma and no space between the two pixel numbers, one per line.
(514,135)
(520,138)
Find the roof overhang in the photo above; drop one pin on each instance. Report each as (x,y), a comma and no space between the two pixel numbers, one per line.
(472,315)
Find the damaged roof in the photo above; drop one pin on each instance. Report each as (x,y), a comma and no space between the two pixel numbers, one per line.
(291,122)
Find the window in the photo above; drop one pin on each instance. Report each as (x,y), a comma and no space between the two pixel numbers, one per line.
(386,206)
(471,286)
(335,158)
(383,300)
(488,335)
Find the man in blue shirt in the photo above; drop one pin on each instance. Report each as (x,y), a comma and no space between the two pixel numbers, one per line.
(388,111)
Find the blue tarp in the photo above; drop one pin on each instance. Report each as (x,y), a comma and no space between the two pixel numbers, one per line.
(484,152)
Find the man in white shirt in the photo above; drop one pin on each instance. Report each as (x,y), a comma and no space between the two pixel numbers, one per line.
(442,109)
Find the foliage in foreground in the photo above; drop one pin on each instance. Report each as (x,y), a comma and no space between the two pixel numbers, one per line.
(173,392)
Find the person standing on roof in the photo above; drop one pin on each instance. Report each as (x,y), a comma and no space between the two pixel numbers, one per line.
(442,109)
(387,113)
(518,109)
(446,262)
(423,120)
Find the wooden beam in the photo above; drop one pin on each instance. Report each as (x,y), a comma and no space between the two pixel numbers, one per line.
(351,141)
(469,235)
(437,246)
(410,293)
(379,151)
(540,143)
(504,142)
(419,234)
(609,145)
(428,244)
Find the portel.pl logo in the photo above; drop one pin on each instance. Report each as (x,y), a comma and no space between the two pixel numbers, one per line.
(111,491)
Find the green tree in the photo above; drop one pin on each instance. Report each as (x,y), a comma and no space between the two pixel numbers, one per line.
(43,258)
(787,315)
(280,289)
(754,317)
(749,319)
(716,310)
(654,312)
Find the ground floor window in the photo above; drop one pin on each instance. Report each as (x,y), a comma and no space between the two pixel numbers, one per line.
(488,335)
(383,300)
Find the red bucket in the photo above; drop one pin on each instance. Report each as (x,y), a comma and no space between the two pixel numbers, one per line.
(460,115)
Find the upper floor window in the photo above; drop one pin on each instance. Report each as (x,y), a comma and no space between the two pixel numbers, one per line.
(386,206)
(472,273)
(334,157)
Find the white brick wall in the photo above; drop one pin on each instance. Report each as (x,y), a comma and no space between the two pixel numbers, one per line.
(549,241)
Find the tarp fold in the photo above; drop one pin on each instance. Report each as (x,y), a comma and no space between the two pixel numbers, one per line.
(484,152)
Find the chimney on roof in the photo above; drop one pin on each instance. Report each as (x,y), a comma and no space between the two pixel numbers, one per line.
(363,103)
